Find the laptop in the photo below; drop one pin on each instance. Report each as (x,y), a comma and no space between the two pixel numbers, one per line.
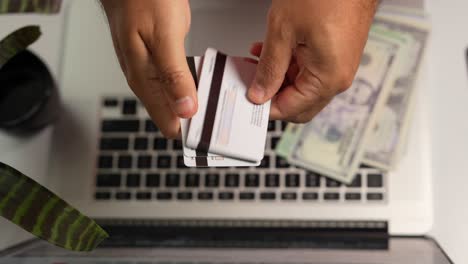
(110,161)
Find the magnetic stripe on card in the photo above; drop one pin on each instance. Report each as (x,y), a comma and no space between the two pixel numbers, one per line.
(212,104)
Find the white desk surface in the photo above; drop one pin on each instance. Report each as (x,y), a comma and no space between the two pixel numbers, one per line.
(30,155)
(95,67)
(448,83)
(446,80)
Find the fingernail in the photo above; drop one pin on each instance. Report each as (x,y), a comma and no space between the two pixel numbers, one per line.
(184,105)
(257,92)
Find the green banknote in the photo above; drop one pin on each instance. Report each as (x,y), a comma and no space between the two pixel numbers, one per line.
(17,41)
(388,136)
(333,142)
(40,212)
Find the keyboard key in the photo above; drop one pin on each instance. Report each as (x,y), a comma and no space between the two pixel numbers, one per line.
(105,162)
(110,102)
(374,196)
(268,196)
(308,196)
(252,180)
(312,179)
(120,126)
(141,143)
(102,195)
(192,180)
(225,196)
(288,196)
(114,144)
(160,143)
(374,180)
(292,180)
(125,162)
(265,163)
(180,162)
(164,196)
(283,125)
(331,196)
(184,196)
(281,163)
(129,107)
(133,180)
(123,196)
(272,180)
(364,166)
(108,180)
(150,126)
(353,196)
(357,181)
(271,125)
(177,145)
(143,196)
(152,180)
(205,196)
(333,184)
(274,142)
(172,180)
(231,180)
(246,196)
(212,180)
(144,162)
(164,162)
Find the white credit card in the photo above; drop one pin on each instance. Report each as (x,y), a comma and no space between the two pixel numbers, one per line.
(197,158)
(227,123)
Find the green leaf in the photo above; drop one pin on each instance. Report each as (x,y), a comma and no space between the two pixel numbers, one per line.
(30,6)
(17,41)
(33,207)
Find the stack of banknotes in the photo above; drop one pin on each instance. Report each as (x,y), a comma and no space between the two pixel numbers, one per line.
(368,123)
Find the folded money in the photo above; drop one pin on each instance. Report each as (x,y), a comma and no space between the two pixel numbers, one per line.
(388,136)
(333,143)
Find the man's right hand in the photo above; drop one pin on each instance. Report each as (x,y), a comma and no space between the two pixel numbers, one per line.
(148,37)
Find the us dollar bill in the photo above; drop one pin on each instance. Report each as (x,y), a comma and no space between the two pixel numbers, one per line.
(333,142)
(388,135)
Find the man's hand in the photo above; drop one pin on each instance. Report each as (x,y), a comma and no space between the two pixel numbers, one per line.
(149,41)
(311,51)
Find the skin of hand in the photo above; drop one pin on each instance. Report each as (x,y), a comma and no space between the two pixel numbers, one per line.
(148,37)
(311,53)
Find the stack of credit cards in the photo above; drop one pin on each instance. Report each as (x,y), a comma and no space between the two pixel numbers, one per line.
(228,130)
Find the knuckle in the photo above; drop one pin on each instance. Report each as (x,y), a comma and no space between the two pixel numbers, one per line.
(344,80)
(344,77)
(169,76)
(280,26)
(314,87)
(275,19)
(267,72)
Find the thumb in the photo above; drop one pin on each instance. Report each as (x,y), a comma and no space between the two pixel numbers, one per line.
(271,69)
(174,76)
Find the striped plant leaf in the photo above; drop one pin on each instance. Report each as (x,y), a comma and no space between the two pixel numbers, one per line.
(30,6)
(31,206)
(17,41)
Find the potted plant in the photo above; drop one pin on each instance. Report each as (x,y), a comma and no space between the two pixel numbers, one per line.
(24,201)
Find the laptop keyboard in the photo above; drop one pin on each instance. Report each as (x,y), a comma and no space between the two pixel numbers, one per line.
(136,163)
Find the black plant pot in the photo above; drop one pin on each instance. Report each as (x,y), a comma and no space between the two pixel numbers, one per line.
(29,99)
